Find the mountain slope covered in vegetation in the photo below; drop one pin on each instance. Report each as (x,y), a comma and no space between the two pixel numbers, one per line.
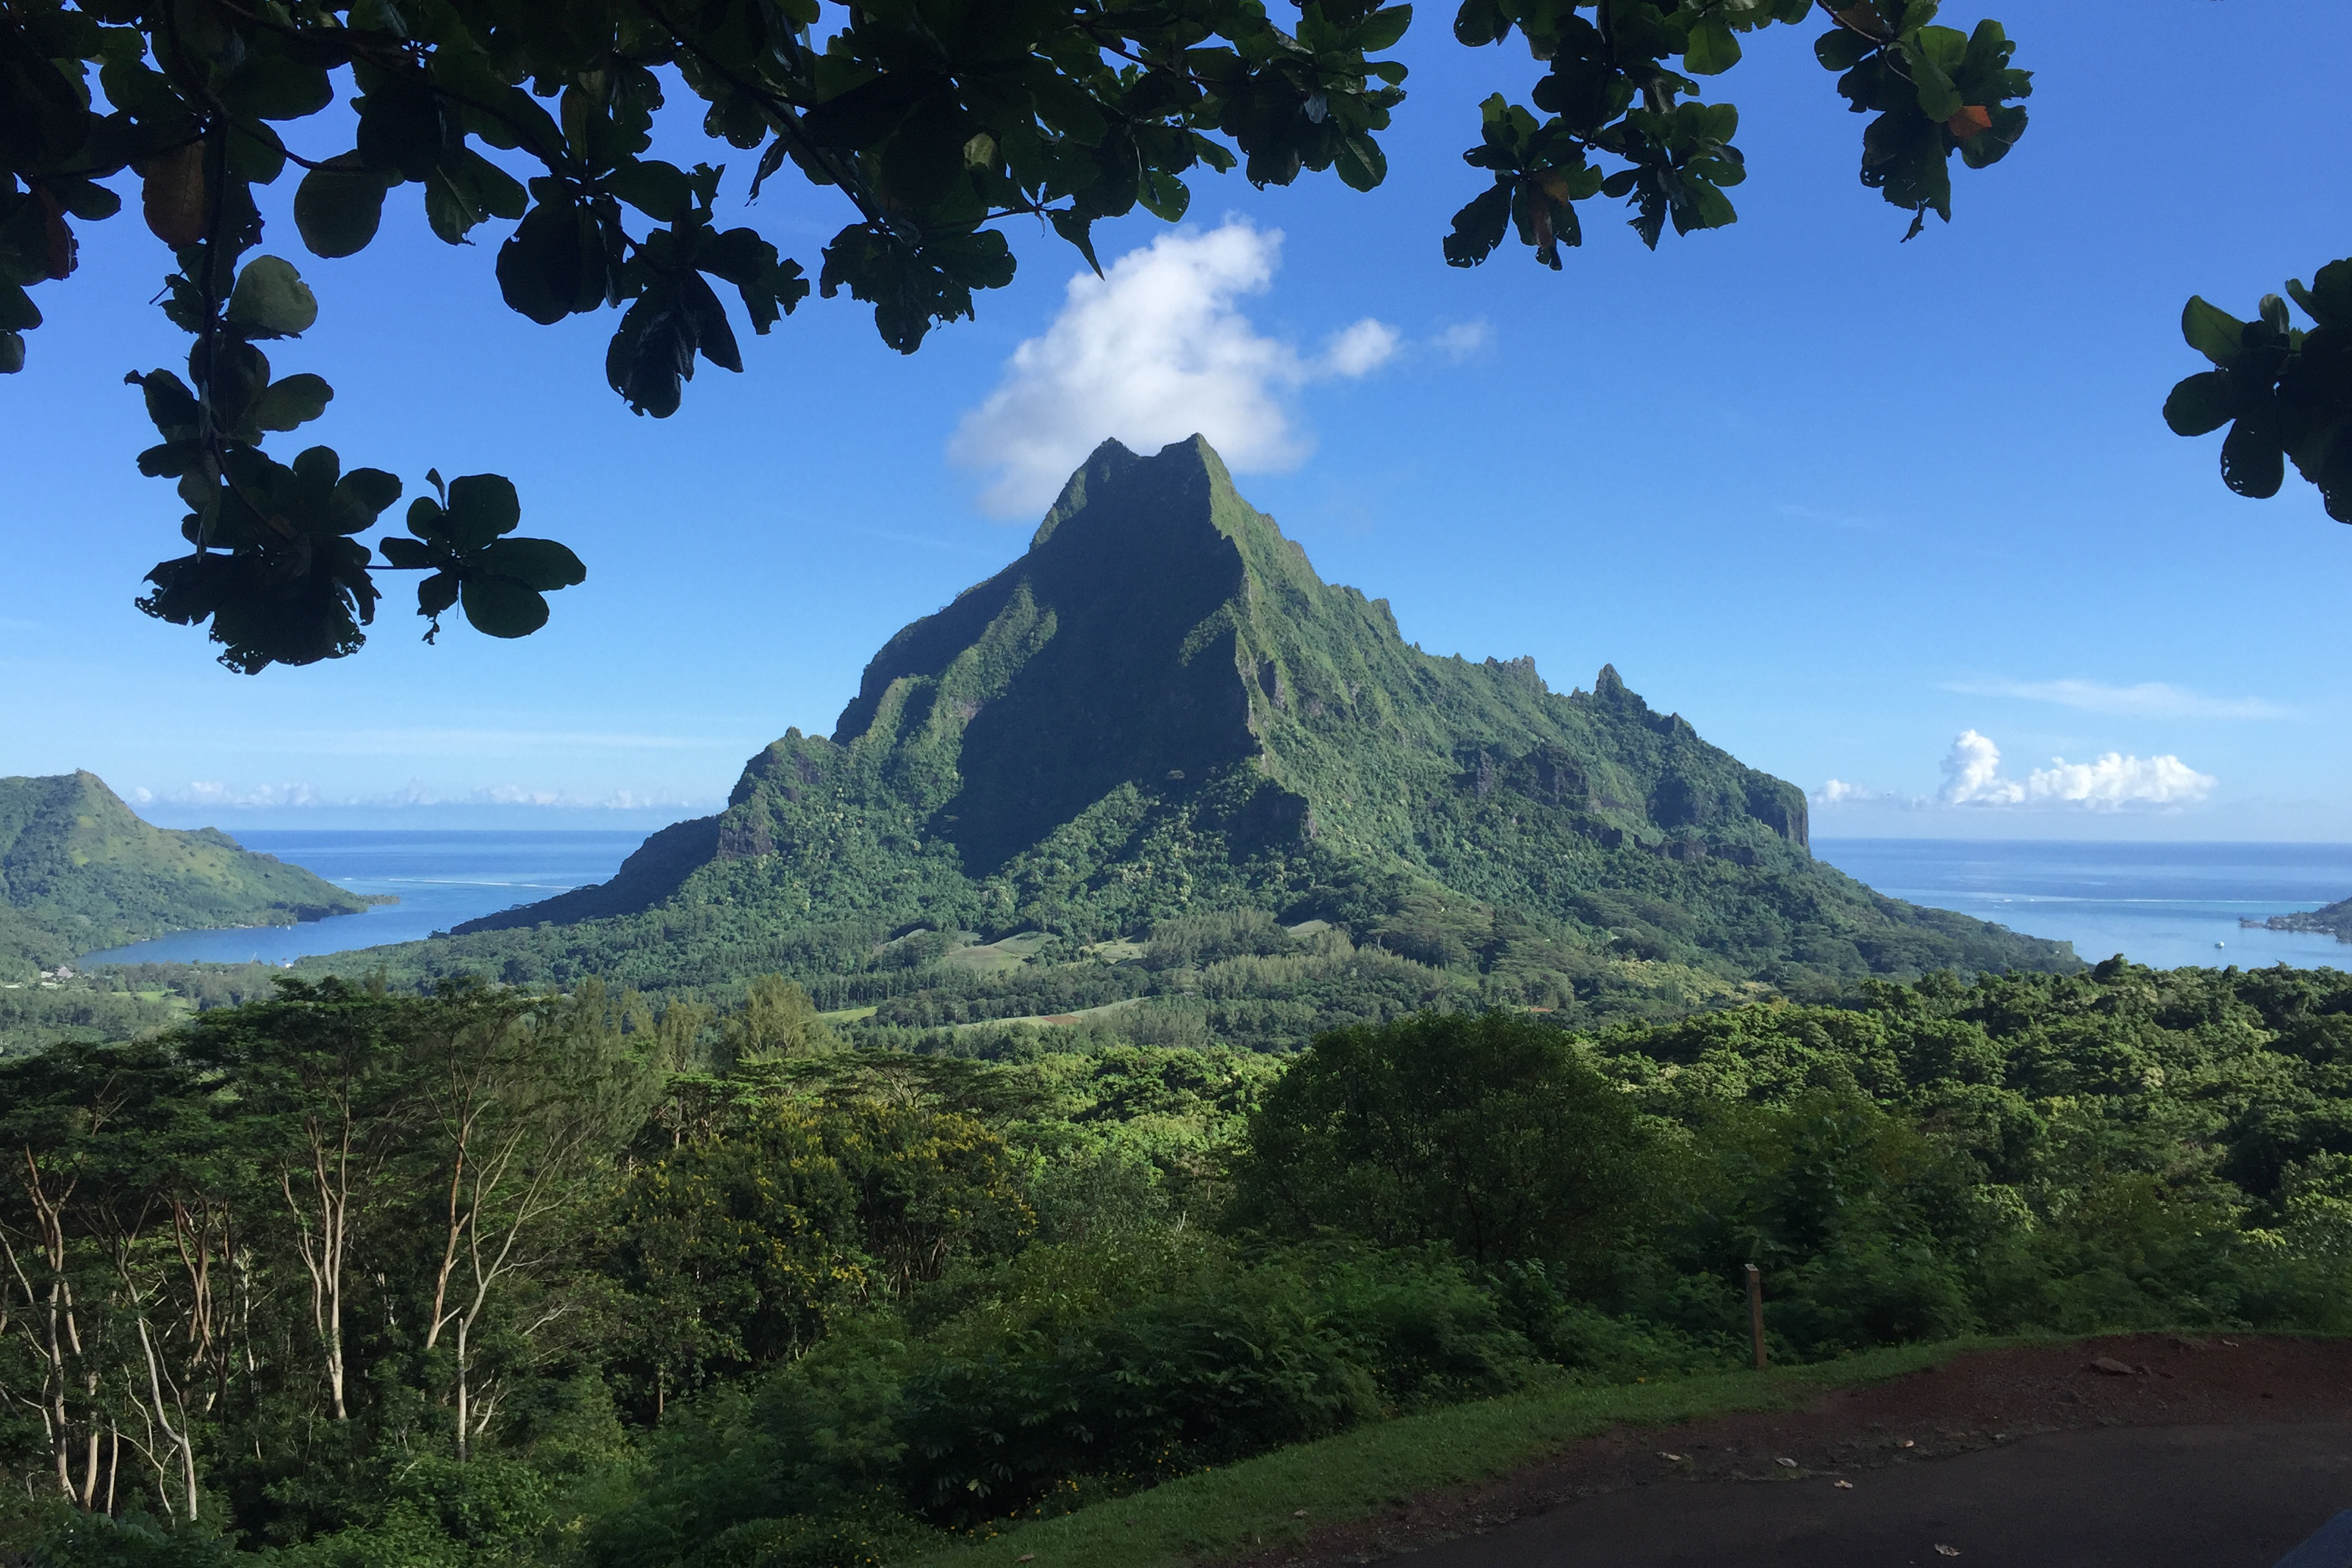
(1160,714)
(80,871)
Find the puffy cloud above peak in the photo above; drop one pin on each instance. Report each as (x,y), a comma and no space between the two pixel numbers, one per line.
(1155,350)
(1972,773)
(1973,776)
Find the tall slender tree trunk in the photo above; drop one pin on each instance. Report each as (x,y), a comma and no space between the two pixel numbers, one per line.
(465,1411)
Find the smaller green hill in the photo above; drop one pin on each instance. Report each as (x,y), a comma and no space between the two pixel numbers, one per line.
(2335,919)
(80,872)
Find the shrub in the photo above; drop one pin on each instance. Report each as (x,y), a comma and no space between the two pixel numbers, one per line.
(1487,1134)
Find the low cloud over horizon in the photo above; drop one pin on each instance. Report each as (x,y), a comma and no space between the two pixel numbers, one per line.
(415,794)
(1974,779)
(1972,776)
(1157,349)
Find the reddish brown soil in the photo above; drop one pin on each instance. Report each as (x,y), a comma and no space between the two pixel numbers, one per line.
(2264,1422)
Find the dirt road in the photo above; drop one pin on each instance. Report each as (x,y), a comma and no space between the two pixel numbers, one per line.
(2139,1451)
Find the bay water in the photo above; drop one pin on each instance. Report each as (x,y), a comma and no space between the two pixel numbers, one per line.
(440,879)
(2164,905)
(2160,904)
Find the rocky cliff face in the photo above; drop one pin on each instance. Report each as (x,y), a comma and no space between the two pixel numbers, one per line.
(1160,705)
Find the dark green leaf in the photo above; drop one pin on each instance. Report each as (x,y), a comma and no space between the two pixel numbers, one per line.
(503,607)
(658,190)
(1381,29)
(1164,196)
(429,522)
(339,206)
(18,311)
(170,460)
(408,554)
(865,115)
(363,496)
(2328,300)
(481,507)
(540,563)
(2216,335)
(1478,228)
(1360,160)
(1840,50)
(1481,22)
(1711,50)
(438,593)
(713,334)
(2254,463)
(401,125)
(271,301)
(290,401)
(2200,404)
(1077,227)
(552,264)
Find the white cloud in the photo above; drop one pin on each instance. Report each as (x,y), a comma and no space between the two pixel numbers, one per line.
(1838,792)
(205,791)
(1464,338)
(1156,350)
(416,792)
(1360,350)
(2115,780)
(1972,773)
(1972,776)
(2149,699)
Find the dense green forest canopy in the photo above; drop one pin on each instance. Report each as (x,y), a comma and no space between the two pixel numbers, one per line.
(490,1275)
(79,872)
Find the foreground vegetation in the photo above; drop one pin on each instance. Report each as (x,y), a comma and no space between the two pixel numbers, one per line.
(346,1277)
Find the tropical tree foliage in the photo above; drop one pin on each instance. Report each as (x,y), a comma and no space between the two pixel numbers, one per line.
(2284,391)
(356,1278)
(930,121)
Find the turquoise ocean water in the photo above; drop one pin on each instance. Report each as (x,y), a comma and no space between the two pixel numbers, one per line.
(2163,904)
(2160,904)
(440,879)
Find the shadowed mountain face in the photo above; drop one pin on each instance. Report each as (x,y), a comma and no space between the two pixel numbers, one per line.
(1161,707)
(80,872)
(1105,657)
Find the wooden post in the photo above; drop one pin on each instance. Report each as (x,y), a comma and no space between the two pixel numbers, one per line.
(1756,1311)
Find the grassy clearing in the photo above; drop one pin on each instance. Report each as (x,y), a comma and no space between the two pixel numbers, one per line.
(1052,1020)
(997,957)
(1223,1512)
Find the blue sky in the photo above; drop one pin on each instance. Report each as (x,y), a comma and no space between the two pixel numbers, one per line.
(1838,500)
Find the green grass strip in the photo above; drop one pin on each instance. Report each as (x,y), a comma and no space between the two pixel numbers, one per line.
(1241,1507)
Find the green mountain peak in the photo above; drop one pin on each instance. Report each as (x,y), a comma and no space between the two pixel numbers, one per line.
(1161,709)
(79,871)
